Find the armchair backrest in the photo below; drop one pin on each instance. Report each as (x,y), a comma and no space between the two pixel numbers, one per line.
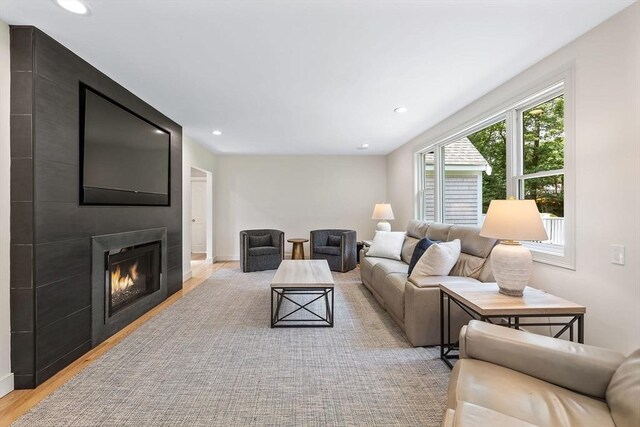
(277,236)
(623,392)
(321,237)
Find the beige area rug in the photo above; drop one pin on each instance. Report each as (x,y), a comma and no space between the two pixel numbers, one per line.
(211,359)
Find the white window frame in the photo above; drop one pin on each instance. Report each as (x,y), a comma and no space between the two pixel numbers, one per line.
(561,83)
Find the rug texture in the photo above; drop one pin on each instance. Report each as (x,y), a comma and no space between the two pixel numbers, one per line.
(211,359)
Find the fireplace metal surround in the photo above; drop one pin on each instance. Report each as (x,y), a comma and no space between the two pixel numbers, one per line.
(103,325)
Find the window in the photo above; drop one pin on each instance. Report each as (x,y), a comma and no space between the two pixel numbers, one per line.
(520,151)
(540,173)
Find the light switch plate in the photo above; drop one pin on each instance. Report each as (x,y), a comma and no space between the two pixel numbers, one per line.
(617,254)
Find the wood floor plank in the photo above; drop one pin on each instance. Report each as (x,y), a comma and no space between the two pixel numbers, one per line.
(18,402)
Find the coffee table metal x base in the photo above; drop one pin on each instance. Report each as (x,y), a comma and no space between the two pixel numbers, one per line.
(278,295)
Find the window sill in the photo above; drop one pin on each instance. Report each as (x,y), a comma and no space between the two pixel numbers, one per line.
(555,255)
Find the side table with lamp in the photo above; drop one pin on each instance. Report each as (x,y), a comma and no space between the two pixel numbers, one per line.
(509,300)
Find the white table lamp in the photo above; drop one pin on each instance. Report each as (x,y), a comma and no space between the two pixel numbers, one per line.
(512,221)
(383,212)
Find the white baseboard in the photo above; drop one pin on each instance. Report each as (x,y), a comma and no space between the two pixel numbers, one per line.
(187,276)
(6,384)
(227,258)
(210,260)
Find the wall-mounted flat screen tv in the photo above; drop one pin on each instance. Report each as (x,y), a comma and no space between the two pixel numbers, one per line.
(124,158)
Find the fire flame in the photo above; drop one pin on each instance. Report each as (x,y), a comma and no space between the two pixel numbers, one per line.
(121,282)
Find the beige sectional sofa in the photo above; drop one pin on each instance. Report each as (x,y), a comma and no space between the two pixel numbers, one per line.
(514,378)
(415,304)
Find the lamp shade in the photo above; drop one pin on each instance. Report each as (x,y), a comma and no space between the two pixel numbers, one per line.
(513,219)
(382,211)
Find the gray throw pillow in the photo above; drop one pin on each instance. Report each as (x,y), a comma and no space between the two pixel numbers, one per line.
(334,240)
(260,240)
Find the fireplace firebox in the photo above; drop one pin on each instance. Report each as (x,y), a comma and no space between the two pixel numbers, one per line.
(128,278)
(131,273)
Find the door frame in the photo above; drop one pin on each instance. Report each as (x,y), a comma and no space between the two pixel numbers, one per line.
(209,220)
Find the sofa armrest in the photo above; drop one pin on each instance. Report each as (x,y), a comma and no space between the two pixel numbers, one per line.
(578,367)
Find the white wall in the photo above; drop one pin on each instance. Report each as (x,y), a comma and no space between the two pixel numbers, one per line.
(6,377)
(295,194)
(195,155)
(607,87)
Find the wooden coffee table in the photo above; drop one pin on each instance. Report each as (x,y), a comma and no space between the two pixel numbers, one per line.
(302,277)
(482,301)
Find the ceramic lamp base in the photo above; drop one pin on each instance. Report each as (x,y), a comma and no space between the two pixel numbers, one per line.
(512,265)
(383,226)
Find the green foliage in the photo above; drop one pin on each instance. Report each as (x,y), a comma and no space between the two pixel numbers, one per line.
(491,142)
(543,131)
(543,128)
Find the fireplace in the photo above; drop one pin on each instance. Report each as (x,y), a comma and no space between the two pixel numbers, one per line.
(129,277)
(132,273)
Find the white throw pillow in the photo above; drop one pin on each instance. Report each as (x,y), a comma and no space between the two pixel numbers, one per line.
(387,244)
(438,259)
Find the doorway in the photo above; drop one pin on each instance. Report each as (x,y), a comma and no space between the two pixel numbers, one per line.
(199,216)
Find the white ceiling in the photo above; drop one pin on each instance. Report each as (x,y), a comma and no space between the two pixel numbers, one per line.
(311,77)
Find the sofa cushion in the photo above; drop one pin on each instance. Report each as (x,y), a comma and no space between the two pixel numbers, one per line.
(333,240)
(435,281)
(327,250)
(623,392)
(438,259)
(389,266)
(366,267)
(417,229)
(393,294)
(260,240)
(419,250)
(264,250)
(468,266)
(524,397)
(468,414)
(382,269)
(470,240)
(387,244)
(438,231)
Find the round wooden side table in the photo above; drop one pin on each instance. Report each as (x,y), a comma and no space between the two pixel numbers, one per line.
(298,248)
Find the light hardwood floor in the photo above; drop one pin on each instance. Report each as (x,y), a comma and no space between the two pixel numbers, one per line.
(18,402)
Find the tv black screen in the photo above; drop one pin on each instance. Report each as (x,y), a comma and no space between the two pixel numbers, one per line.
(124,157)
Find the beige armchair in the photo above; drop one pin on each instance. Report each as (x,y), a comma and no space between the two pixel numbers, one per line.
(507,377)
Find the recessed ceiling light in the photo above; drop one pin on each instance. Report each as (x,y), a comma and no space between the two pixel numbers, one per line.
(217,132)
(73,6)
(401,110)
(363,147)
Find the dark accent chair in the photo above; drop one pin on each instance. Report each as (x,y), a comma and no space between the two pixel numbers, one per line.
(338,247)
(261,249)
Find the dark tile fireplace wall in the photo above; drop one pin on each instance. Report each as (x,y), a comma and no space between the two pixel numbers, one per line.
(50,232)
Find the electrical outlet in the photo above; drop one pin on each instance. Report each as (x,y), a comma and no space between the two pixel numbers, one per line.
(617,254)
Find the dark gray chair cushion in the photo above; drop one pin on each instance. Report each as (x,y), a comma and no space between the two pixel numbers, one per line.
(261,240)
(264,250)
(333,241)
(329,250)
